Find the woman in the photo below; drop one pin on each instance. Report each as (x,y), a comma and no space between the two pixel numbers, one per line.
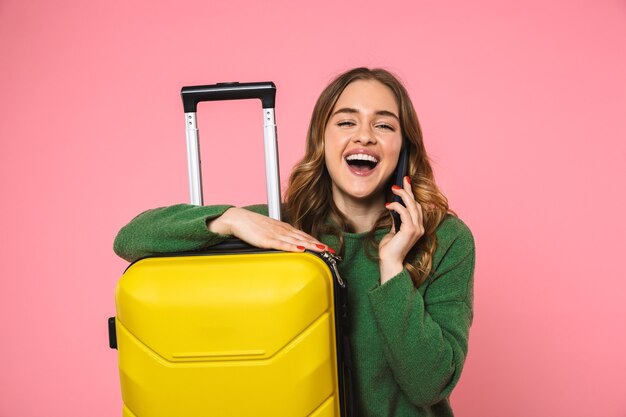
(410,291)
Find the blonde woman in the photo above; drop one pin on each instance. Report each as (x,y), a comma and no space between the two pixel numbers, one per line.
(410,291)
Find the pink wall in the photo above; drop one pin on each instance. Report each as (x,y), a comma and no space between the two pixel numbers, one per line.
(524,109)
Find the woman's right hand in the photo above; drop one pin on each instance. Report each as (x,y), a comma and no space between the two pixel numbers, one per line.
(263,232)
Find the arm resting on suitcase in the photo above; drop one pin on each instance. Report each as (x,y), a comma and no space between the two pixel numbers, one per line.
(186,228)
(426,330)
(177,228)
(262,231)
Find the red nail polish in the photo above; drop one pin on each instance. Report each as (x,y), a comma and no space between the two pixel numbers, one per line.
(300,247)
(387,204)
(331,250)
(320,246)
(407,179)
(395,187)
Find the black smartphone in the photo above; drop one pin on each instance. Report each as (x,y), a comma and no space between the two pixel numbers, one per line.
(398,179)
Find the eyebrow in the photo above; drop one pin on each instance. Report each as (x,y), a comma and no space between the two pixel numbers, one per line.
(379,112)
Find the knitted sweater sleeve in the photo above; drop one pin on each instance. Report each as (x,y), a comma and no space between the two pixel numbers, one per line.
(177,228)
(425,331)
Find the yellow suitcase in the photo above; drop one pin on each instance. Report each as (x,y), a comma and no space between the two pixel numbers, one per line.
(230,335)
(236,332)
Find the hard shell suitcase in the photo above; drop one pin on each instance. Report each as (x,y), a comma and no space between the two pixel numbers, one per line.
(236,331)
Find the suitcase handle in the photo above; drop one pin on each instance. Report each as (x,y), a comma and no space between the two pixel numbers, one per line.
(265,91)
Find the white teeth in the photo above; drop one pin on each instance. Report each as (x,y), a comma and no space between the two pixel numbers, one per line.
(362,157)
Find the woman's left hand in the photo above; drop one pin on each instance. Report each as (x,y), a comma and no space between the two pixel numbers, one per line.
(394,247)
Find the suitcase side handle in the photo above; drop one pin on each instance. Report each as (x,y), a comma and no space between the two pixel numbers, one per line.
(265,91)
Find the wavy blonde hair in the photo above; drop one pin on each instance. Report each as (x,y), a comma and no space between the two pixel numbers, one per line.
(308,199)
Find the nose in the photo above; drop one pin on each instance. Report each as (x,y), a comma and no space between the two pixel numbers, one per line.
(364,135)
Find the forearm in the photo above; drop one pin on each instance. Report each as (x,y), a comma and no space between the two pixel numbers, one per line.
(425,346)
(177,228)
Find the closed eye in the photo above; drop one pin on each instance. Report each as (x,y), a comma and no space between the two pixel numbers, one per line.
(386,126)
(346,123)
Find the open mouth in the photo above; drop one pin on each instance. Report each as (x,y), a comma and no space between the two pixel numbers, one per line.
(361,163)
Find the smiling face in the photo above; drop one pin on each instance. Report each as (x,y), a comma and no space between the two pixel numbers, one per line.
(362,142)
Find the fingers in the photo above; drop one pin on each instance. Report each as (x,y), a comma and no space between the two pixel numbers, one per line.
(302,241)
(411,213)
(268,233)
(297,241)
(415,210)
(265,232)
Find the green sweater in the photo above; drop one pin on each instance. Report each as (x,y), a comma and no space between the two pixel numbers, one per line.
(408,345)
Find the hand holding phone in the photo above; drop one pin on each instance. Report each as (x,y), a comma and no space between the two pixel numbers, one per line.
(398,178)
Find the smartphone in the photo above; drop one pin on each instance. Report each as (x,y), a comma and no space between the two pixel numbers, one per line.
(398,179)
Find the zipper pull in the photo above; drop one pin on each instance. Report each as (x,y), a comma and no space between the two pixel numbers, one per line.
(332,260)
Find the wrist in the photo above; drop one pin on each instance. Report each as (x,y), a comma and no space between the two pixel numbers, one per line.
(222,224)
(389,270)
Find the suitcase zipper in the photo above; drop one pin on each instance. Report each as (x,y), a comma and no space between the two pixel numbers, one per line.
(346,399)
(332,260)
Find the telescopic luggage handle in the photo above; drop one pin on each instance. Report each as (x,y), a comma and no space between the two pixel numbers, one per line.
(266,92)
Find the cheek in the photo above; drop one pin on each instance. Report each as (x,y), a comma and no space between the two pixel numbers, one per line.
(328,152)
(394,149)
(332,148)
(331,162)
(393,152)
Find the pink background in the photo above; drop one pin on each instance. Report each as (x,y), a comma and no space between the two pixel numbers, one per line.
(523,105)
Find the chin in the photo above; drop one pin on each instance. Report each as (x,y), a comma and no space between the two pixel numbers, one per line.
(365,193)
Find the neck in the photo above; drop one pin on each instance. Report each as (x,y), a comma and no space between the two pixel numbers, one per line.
(361,214)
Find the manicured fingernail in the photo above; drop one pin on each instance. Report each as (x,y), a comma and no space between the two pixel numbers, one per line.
(395,187)
(387,204)
(331,250)
(320,246)
(300,247)
(407,179)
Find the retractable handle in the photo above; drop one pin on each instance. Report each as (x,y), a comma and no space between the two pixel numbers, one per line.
(264,91)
